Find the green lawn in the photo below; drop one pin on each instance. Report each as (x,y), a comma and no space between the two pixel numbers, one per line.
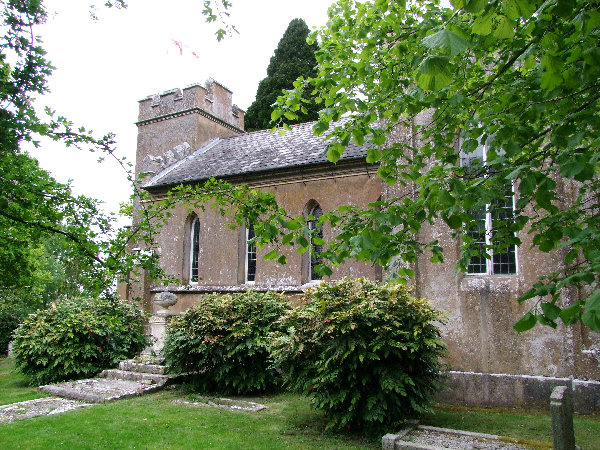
(13,387)
(155,421)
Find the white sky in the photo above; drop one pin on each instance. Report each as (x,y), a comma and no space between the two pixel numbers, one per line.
(103,68)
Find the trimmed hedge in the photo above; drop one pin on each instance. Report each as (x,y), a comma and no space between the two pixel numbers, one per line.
(77,338)
(367,353)
(226,338)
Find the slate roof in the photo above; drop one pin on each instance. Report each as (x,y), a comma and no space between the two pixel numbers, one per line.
(249,153)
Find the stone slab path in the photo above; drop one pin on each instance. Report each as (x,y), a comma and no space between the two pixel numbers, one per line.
(38,407)
(99,390)
(132,378)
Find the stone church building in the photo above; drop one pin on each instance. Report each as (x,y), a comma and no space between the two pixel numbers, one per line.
(192,134)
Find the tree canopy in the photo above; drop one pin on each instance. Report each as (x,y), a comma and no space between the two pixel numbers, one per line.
(293,58)
(518,76)
(34,207)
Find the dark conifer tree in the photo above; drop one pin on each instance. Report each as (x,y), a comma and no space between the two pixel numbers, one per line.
(293,58)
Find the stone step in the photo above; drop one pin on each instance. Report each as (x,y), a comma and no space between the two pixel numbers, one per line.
(142,377)
(99,390)
(131,365)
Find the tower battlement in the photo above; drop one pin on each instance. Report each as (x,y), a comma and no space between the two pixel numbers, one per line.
(213,100)
(192,116)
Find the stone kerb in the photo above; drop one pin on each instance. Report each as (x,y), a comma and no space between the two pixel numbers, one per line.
(504,390)
(161,319)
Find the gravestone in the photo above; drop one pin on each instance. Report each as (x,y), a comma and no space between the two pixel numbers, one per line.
(561,409)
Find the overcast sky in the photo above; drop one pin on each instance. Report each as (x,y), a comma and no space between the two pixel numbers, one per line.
(103,68)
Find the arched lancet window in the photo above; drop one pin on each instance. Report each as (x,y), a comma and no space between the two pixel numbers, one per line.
(194,249)
(250,254)
(315,248)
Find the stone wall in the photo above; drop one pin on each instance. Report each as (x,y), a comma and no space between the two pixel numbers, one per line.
(222,249)
(481,309)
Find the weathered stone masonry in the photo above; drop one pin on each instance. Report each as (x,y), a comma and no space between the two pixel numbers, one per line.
(186,136)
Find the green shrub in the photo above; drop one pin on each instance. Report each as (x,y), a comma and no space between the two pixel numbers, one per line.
(366,353)
(77,338)
(225,337)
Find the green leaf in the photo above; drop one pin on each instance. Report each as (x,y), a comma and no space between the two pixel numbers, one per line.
(433,73)
(271,255)
(275,114)
(593,301)
(445,198)
(591,319)
(571,168)
(474,6)
(290,115)
(358,136)
(551,311)
(551,72)
(448,41)
(293,225)
(591,316)
(527,7)
(483,25)
(318,241)
(527,185)
(572,313)
(333,155)
(320,127)
(406,272)
(527,322)
(503,27)
(454,221)
(303,242)
(511,9)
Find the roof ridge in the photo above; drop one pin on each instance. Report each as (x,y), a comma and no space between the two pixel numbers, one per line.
(248,133)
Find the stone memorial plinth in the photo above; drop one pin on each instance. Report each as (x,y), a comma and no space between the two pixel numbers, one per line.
(161,319)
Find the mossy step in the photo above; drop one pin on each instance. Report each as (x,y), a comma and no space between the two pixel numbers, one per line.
(132,365)
(143,377)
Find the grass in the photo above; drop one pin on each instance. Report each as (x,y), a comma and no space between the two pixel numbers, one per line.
(530,427)
(156,421)
(13,386)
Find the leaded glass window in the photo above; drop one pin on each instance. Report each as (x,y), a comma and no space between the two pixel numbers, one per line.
(488,220)
(250,254)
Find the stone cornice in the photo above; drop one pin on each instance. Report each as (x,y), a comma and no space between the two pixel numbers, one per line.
(290,175)
(186,112)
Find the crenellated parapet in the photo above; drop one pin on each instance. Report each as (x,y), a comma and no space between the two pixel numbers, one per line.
(213,100)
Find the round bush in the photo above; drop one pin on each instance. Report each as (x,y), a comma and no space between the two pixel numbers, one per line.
(77,338)
(226,339)
(366,353)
